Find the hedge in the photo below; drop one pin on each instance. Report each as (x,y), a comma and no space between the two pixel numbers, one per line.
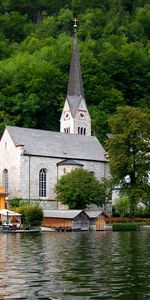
(125,227)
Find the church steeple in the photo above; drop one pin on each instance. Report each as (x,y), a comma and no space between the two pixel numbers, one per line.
(75,117)
(75,85)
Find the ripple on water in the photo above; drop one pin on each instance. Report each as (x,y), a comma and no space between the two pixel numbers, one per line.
(75,266)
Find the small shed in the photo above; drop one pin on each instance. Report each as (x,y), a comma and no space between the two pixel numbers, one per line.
(10,217)
(97,219)
(66,219)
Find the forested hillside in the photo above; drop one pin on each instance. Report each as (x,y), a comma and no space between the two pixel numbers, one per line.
(35,49)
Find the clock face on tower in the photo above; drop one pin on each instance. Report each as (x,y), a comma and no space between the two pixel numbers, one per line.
(82,114)
(66,115)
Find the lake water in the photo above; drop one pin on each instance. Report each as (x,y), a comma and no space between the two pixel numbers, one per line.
(75,266)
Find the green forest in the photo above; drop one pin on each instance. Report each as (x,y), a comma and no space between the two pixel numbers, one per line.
(35,52)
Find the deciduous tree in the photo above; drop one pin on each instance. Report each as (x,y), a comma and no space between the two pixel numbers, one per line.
(80,188)
(129,152)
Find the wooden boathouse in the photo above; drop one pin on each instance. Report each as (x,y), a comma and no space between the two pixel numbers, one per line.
(97,220)
(66,220)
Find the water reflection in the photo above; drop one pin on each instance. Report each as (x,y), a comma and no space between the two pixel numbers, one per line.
(75,266)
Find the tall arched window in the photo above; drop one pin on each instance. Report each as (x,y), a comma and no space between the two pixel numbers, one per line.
(42,183)
(5,180)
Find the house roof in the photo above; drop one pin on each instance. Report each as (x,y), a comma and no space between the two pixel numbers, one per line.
(69,162)
(61,214)
(93,213)
(55,144)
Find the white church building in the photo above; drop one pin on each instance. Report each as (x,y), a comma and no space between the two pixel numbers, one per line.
(32,160)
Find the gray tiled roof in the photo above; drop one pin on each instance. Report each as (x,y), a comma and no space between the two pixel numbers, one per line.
(75,85)
(74,102)
(65,214)
(69,162)
(75,90)
(93,213)
(56,144)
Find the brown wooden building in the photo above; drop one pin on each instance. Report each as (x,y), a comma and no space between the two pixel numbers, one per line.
(66,219)
(97,220)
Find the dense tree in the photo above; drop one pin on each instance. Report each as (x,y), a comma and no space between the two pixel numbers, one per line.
(35,49)
(122,206)
(31,215)
(129,153)
(80,188)
(14,26)
(28,98)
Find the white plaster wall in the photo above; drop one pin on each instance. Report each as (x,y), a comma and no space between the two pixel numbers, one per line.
(76,122)
(10,160)
(85,123)
(66,123)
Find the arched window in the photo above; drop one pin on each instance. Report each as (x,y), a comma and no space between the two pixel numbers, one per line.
(42,183)
(78,130)
(84,131)
(5,180)
(81,130)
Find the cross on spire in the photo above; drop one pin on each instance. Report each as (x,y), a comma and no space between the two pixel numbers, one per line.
(75,24)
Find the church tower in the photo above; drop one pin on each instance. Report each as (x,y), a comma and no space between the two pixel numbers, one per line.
(75,117)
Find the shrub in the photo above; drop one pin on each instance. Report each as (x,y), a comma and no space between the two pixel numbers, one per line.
(125,227)
(31,214)
(15,202)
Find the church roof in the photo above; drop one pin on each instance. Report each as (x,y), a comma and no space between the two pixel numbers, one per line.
(75,85)
(55,144)
(75,90)
(74,102)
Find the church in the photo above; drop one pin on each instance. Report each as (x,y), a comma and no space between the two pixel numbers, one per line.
(32,160)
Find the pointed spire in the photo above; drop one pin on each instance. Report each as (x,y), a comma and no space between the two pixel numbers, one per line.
(75,85)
